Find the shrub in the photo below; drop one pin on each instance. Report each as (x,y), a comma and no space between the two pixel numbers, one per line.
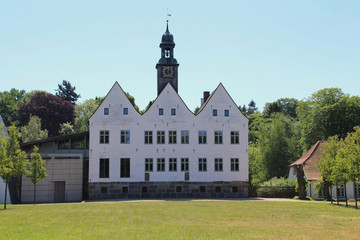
(279,182)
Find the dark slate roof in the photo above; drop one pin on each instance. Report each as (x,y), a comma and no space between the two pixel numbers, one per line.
(309,161)
(56,138)
(167,37)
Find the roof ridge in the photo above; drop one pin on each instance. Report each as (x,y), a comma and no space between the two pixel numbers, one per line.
(312,150)
(302,160)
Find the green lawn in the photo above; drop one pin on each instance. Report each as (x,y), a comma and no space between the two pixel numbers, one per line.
(180,220)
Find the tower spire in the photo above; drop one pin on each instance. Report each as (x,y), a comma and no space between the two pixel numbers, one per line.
(167,67)
(167,26)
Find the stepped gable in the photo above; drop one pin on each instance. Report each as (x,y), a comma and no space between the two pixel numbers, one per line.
(309,161)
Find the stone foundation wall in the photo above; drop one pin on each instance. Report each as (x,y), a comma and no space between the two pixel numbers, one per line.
(120,190)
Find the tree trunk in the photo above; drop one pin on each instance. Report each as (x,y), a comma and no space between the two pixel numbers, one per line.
(355,193)
(326,191)
(346,202)
(300,177)
(331,194)
(34,202)
(6,184)
(337,193)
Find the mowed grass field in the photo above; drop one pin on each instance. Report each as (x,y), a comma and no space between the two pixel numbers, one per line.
(180,220)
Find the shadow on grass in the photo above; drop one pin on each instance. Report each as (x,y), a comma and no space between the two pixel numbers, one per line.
(343,204)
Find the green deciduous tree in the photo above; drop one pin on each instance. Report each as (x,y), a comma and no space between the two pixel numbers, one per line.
(256,167)
(326,113)
(349,157)
(36,170)
(67,92)
(32,131)
(66,128)
(132,101)
(327,162)
(286,106)
(255,121)
(83,112)
(12,159)
(340,170)
(9,104)
(278,142)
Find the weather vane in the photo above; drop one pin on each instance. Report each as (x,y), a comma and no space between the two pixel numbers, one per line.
(168,15)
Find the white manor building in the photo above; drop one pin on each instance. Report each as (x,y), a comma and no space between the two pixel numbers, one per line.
(168,152)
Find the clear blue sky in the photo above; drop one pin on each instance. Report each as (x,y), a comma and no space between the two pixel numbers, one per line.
(260,50)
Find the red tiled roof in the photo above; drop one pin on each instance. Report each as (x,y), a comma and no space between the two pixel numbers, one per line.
(309,161)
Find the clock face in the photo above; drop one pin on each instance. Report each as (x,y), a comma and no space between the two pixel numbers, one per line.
(167,71)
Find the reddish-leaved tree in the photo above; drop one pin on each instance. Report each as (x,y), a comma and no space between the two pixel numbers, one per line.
(51,109)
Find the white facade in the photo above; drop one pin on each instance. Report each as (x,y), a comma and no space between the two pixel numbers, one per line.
(182,120)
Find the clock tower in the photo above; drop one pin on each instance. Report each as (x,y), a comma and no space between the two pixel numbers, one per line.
(167,67)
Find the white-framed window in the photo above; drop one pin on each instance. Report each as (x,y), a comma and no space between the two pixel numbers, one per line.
(218,137)
(104,136)
(341,191)
(125,111)
(226,113)
(106,111)
(184,164)
(172,165)
(161,111)
(148,164)
(173,111)
(357,189)
(125,136)
(184,137)
(148,137)
(234,135)
(202,137)
(172,137)
(202,165)
(218,164)
(160,137)
(161,164)
(234,162)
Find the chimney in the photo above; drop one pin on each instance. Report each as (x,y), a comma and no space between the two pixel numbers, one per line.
(206,95)
(203,99)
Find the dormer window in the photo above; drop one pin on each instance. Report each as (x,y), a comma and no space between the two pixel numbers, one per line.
(167,53)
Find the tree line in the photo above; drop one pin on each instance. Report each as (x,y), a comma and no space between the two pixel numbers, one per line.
(40,114)
(288,127)
(278,135)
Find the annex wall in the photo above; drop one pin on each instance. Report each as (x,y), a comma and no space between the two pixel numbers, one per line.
(64,181)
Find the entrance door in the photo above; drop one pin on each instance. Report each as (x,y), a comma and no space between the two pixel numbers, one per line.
(59,191)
